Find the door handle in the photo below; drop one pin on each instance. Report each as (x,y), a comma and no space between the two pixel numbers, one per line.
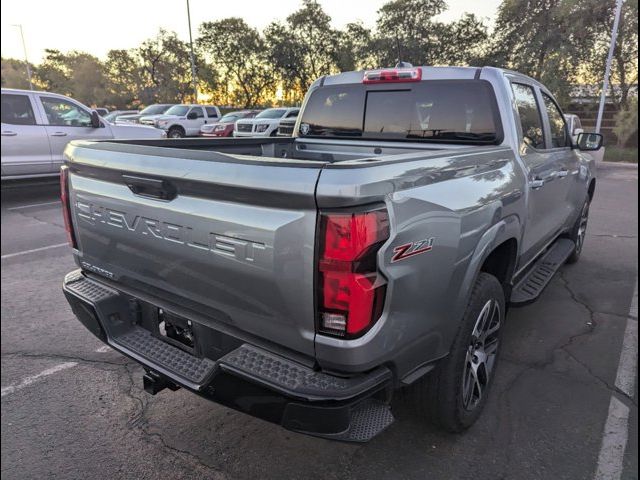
(8,133)
(562,173)
(536,183)
(58,134)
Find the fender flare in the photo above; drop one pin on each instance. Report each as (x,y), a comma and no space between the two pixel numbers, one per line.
(506,229)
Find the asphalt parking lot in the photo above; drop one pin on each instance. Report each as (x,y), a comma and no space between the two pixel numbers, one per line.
(72,408)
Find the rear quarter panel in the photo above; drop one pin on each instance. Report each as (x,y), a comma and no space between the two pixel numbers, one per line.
(467,201)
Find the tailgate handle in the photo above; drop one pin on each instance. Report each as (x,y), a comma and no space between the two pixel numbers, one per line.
(151,187)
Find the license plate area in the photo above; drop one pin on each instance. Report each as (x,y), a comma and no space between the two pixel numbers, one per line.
(176,330)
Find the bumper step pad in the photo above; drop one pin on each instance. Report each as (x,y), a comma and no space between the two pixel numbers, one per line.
(296,379)
(368,419)
(534,282)
(195,370)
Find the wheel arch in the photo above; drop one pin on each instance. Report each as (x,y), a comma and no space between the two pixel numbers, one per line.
(496,253)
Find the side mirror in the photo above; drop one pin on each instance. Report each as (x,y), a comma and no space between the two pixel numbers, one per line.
(95,119)
(589,142)
(192,116)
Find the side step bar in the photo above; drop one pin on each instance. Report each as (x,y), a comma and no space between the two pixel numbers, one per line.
(540,274)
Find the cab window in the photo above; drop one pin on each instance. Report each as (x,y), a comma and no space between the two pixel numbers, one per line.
(529,113)
(64,113)
(198,111)
(559,136)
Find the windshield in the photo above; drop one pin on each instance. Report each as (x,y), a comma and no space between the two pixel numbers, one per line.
(154,109)
(271,113)
(455,111)
(231,117)
(178,110)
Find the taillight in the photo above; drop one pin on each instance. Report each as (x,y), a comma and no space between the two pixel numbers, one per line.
(66,205)
(392,75)
(351,291)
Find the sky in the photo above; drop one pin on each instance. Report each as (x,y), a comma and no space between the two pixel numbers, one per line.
(101,25)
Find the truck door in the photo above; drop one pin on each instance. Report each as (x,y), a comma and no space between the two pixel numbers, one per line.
(566,163)
(25,146)
(542,164)
(195,119)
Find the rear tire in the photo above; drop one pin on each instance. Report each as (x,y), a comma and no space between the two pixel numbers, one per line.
(579,232)
(454,394)
(175,132)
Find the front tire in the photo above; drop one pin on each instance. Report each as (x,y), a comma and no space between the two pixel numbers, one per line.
(175,132)
(454,394)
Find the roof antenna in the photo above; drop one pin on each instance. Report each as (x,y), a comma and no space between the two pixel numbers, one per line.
(400,63)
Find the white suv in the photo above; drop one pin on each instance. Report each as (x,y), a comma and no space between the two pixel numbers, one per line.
(184,120)
(264,124)
(36,127)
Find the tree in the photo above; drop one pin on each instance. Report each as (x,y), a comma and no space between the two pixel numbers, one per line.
(14,73)
(305,47)
(546,39)
(77,74)
(627,123)
(624,68)
(355,50)
(240,52)
(408,31)
(124,77)
(165,69)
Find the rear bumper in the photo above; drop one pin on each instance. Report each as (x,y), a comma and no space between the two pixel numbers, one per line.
(244,376)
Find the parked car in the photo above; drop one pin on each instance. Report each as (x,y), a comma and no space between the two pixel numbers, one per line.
(102,111)
(287,124)
(224,127)
(184,120)
(36,127)
(264,124)
(574,124)
(304,280)
(156,109)
(113,116)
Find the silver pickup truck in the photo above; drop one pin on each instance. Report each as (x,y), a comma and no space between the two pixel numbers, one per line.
(303,280)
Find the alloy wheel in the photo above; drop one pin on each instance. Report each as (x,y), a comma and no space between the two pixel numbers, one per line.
(481,355)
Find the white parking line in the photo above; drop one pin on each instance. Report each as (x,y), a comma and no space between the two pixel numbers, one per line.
(103,349)
(614,442)
(34,205)
(34,250)
(626,377)
(616,428)
(34,378)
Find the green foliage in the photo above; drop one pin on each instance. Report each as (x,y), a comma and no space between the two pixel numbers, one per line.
(305,48)
(74,73)
(627,123)
(14,73)
(239,52)
(624,69)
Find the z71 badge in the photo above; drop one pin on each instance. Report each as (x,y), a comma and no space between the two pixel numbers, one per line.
(410,249)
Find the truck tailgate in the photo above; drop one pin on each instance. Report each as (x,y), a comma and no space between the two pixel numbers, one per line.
(234,237)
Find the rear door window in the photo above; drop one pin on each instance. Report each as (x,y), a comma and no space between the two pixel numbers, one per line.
(211,112)
(529,113)
(17,110)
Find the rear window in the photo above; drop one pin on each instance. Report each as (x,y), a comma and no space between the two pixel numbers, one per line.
(456,111)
